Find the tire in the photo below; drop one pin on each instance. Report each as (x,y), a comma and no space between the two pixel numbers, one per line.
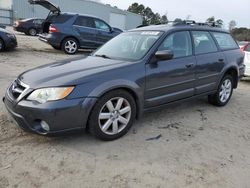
(2,46)
(70,46)
(225,89)
(32,32)
(109,122)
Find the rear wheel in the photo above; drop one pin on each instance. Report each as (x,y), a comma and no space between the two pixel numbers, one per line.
(1,45)
(224,93)
(32,32)
(70,46)
(113,115)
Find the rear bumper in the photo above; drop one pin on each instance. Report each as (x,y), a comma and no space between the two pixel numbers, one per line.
(52,39)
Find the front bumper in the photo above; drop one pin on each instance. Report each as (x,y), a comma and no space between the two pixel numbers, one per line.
(20,29)
(61,116)
(10,42)
(242,70)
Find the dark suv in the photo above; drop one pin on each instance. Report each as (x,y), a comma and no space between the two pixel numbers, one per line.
(135,72)
(70,32)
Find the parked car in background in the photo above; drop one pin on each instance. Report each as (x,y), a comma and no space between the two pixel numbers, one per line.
(246,50)
(243,45)
(137,71)
(69,32)
(31,26)
(7,40)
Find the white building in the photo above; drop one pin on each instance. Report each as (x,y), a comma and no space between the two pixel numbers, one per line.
(21,9)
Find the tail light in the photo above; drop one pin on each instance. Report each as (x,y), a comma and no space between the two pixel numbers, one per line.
(53,29)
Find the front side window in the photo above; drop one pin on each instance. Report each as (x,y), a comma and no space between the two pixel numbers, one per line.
(129,45)
(203,42)
(179,43)
(84,22)
(101,25)
(38,21)
(225,41)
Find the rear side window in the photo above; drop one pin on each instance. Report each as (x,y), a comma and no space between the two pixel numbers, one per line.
(62,18)
(84,22)
(101,25)
(203,42)
(225,41)
(179,43)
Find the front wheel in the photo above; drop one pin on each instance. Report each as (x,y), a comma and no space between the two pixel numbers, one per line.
(70,46)
(32,32)
(113,115)
(224,93)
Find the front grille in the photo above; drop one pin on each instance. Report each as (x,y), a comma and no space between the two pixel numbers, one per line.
(17,88)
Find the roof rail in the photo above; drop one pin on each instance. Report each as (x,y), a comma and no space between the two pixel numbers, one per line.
(192,22)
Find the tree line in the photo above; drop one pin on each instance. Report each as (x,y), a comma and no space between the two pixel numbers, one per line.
(152,18)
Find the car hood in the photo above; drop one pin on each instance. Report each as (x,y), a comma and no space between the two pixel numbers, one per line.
(5,31)
(68,73)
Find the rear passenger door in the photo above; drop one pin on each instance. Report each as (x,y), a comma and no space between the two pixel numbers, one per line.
(104,33)
(210,62)
(38,24)
(85,30)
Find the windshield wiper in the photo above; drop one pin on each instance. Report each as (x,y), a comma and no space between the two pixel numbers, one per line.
(103,56)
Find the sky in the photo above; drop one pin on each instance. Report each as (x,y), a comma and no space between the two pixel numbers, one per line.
(199,10)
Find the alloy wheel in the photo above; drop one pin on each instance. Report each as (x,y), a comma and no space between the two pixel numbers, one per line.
(70,46)
(225,90)
(32,32)
(114,116)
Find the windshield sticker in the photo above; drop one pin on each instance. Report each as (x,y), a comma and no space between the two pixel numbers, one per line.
(150,33)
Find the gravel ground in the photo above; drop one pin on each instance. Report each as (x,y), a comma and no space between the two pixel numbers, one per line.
(200,145)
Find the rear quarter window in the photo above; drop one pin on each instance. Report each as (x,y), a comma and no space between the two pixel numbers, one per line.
(225,41)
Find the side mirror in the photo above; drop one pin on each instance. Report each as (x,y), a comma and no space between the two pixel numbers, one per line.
(111,30)
(164,55)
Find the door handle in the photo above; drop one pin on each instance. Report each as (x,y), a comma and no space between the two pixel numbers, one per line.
(221,60)
(190,65)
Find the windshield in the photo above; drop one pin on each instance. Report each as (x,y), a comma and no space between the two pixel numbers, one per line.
(129,46)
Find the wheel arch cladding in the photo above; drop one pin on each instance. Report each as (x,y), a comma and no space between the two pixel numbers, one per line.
(130,87)
(234,73)
(68,37)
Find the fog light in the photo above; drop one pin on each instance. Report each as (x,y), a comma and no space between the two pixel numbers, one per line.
(45,126)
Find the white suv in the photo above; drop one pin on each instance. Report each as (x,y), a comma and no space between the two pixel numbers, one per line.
(247,59)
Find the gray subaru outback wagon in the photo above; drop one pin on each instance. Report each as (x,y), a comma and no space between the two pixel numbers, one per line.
(135,72)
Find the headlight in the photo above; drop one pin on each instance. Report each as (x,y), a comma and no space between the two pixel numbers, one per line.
(50,94)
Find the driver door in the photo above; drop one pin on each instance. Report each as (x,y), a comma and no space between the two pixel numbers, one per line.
(171,80)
